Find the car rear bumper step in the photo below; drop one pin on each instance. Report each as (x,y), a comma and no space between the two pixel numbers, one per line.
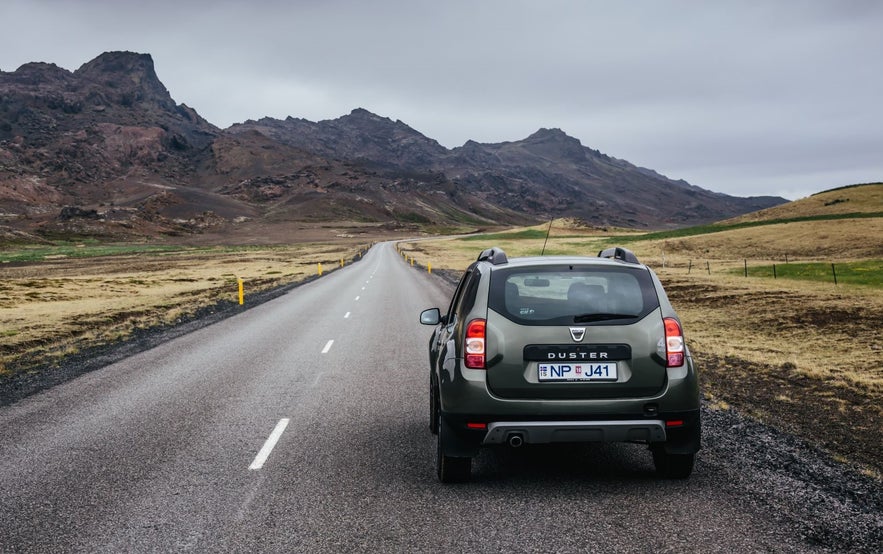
(542,432)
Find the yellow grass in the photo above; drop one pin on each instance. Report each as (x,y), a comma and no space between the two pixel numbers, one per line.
(816,330)
(832,240)
(857,199)
(55,307)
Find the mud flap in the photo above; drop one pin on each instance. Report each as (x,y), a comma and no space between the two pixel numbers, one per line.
(458,444)
(686,439)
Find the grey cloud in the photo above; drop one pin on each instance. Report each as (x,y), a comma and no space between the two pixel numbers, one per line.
(744,98)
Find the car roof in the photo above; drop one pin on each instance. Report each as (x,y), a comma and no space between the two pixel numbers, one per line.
(495,257)
(529,261)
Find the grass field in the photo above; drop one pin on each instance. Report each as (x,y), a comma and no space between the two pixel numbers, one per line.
(53,304)
(38,253)
(868,273)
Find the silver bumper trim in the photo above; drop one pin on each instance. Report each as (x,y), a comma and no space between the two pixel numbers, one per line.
(541,432)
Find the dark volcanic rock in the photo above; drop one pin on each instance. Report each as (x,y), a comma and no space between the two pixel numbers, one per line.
(360,136)
(42,101)
(72,212)
(108,133)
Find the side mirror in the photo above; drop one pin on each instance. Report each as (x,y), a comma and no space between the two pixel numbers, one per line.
(431,316)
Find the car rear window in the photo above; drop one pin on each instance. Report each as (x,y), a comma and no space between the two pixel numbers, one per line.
(573,294)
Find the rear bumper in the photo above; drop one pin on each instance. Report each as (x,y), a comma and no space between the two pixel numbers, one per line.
(543,432)
(674,432)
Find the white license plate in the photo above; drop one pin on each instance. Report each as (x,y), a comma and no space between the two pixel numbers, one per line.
(577,372)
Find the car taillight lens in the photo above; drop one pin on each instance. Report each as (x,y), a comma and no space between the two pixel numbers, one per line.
(674,343)
(475,335)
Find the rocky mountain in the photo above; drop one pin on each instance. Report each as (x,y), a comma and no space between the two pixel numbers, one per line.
(105,151)
(548,174)
(107,138)
(558,176)
(360,137)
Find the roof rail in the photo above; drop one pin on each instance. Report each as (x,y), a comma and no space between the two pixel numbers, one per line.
(619,253)
(494,255)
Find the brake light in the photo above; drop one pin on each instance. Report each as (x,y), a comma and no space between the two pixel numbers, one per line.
(674,343)
(475,336)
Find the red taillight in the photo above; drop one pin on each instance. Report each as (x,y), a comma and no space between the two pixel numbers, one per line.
(674,423)
(475,425)
(475,334)
(674,343)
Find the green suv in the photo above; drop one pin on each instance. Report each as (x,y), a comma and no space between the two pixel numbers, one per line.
(560,349)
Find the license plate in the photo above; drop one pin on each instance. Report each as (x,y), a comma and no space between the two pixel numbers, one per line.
(578,372)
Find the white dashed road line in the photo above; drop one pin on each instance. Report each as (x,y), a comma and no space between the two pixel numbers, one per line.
(262,456)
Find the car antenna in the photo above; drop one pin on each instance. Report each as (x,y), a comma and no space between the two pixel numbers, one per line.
(549,230)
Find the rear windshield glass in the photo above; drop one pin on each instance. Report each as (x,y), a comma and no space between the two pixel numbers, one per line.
(566,295)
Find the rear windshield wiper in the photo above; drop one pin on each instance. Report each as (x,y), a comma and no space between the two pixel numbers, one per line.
(585,318)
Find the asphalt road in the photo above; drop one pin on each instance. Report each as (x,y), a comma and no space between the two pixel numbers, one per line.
(165,451)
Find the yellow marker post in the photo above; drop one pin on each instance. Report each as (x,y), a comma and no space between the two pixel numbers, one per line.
(241,293)
(341,262)
(320,269)
(429,267)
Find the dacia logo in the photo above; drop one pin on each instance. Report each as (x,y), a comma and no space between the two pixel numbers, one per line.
(577,333)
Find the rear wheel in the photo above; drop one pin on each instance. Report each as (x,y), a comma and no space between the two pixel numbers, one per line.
(672,466)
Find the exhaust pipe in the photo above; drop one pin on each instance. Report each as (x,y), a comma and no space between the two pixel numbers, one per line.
(516,440)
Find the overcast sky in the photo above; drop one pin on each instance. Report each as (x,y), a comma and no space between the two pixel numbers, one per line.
(747,98)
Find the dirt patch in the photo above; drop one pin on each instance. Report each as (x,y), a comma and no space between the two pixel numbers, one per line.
(846,421)
(806,361)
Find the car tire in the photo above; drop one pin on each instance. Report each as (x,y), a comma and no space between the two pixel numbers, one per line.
(450,469)
(672,466)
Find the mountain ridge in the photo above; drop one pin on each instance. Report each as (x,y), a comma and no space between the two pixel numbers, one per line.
(109,138)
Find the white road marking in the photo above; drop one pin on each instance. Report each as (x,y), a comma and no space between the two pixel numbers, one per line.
(262,456)
(327,346)
(357,298)
(346,315)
